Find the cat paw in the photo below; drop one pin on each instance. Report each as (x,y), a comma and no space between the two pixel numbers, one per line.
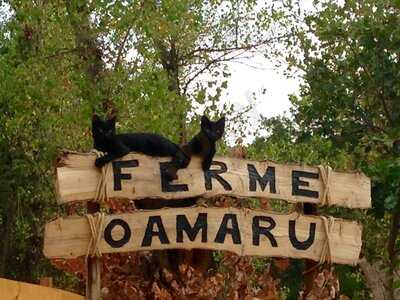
(206,165)
(99,162)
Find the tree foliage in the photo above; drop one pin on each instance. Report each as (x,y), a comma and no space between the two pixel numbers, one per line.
(347,114)
(160,63)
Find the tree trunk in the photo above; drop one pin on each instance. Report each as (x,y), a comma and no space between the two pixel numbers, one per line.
(91,54)
(391,248)
(377,280)
(6,234)
(9,215)
(311,266)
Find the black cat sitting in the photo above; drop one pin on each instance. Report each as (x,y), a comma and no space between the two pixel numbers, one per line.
(117,145)
(203,143)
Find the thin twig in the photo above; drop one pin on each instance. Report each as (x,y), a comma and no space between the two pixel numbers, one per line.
(121,48)
(230,49)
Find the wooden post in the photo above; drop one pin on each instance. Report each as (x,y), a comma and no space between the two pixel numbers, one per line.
(311,266)
(93,284)
(93,281)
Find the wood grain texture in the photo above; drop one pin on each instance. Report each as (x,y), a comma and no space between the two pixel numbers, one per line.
(69,237)
(14,290)
(77,179)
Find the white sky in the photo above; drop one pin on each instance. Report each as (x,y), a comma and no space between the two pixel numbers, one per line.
(246,79)
(252,77)
(258,73)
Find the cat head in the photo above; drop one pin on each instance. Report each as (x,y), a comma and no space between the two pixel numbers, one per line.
(103,129)
(213,130)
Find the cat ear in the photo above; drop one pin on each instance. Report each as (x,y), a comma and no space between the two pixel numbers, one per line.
(205,122)
(221,122)
(112,114)
(112,119)
(95,118)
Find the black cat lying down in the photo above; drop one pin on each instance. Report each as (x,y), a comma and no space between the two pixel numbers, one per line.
(117,145)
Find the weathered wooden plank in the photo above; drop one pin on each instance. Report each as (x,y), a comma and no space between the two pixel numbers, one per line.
(77,179)
(242,231)
(15,290)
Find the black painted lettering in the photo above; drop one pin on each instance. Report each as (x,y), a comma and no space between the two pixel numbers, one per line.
(295,242)
(150,232)
(209,174)
(258,230)
(224,230)
(268,178)
(166,185)
(108,233)
(297,182)
(182,224)
(118,176)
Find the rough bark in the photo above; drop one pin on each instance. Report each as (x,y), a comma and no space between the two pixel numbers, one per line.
(376,279)
(169,58)
(90,52)
(311,270)
(88,47)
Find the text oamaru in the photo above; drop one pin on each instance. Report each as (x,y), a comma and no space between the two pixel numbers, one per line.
(243,231)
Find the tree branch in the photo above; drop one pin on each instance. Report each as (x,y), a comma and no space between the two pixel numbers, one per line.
(121,49)
(61,52)
(235,48)
(382,91)
(207,66)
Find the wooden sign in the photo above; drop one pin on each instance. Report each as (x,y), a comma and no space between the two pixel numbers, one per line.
(17,290)
(242,231)
(137,176)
